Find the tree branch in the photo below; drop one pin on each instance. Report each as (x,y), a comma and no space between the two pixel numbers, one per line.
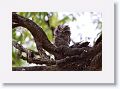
(37,32)
(31,56)
(20,47)
(35,68)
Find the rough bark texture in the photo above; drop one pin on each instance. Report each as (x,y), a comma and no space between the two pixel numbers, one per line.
(78,57)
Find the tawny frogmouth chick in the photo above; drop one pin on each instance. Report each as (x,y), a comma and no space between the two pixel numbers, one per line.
(62,36)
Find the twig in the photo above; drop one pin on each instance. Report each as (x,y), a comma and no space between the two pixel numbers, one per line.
(20,47)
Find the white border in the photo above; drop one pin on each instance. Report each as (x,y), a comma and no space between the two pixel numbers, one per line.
(104,76)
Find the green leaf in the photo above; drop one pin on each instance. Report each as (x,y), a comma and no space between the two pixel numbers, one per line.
(53,20)
(64,20)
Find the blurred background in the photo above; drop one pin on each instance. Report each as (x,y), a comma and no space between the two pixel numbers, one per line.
(85,26)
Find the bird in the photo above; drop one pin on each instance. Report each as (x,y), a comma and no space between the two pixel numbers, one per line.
(62,35)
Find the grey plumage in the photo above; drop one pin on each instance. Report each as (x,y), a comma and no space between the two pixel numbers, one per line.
(62,35)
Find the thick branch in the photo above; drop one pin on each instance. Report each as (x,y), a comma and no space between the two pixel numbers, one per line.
(37,32)
(15,25)
(86,54)
(35,68)
(39,61)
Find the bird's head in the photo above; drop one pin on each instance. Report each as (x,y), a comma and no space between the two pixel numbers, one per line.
(62,29)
